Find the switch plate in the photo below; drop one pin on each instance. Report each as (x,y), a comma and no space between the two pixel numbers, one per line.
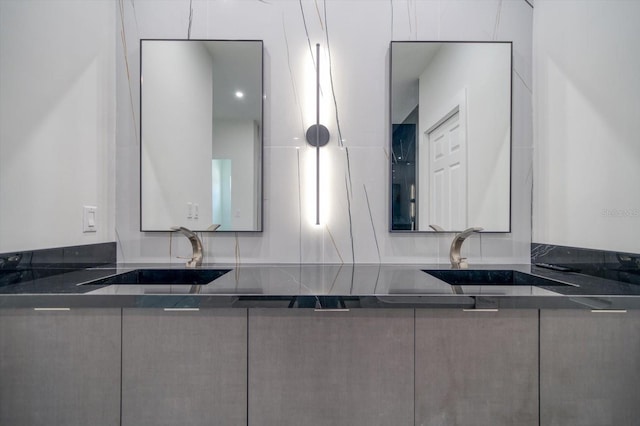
(89,219)
(189,210)
(196,211)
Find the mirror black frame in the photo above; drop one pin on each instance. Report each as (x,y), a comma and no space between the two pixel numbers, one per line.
(262,125)
(390,136)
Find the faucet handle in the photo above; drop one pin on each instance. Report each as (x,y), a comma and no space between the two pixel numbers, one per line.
(470,231)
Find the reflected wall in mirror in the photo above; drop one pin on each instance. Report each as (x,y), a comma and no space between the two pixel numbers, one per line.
(201,134)
(450,136)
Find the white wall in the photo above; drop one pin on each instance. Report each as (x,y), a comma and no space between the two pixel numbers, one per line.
(480,72)
(587,131)
(57,122)
(235,140)
(177,96)
(359,35)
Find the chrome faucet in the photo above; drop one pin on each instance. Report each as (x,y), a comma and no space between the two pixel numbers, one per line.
(196,244)
(458,262)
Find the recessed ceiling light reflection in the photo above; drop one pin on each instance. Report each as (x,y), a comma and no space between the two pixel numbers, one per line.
(239,95)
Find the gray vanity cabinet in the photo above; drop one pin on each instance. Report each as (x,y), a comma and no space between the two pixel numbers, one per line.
(60,367)
(476,368)
(184,367)
(311,367)
(589,368)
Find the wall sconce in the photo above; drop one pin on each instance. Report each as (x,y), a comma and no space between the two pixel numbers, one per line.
(317,135)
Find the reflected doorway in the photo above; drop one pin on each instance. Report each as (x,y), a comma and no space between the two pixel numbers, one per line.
(447,170)
(403,170)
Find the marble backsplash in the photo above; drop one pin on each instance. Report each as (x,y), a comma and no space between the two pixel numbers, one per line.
(612,265)
(355,222)
(74,257)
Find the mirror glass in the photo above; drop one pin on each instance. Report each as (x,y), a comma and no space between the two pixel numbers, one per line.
(201,134)
(450,136)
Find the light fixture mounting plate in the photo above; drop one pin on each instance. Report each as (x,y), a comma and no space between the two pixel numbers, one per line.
(317,137)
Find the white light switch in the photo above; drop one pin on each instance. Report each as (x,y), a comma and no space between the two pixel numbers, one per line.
(189,210)
(89,222)
(196,210)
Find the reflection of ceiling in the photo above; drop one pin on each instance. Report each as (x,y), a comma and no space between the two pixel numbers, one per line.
(237,66)
(408,61)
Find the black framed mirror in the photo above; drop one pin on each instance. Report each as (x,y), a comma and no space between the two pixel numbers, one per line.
(451,113)
(201,134)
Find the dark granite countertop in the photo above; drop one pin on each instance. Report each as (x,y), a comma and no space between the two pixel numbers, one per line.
(320,286)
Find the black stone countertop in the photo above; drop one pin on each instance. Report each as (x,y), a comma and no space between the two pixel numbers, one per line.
(320,286)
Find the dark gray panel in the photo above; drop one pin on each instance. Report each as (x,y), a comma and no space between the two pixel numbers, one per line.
(184,368)
(589,368)
(60,368)
(330,368)
(83,256)
(476,368)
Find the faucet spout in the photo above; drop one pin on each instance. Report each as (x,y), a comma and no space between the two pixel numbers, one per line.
(458,262)
(196,244)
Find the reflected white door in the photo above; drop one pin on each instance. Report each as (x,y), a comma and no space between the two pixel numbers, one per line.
(448,175)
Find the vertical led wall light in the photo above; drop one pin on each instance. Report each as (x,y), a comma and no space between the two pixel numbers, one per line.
(317,135)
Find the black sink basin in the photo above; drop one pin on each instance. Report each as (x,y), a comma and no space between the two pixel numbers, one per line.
(492,277)
(162,277)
